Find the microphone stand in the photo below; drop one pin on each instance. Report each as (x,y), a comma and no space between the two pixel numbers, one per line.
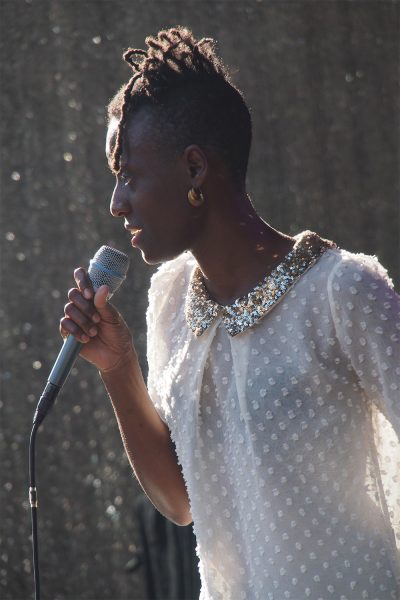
(45,403)
(33,502)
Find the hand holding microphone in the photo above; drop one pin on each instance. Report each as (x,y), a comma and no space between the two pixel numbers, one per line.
(91,325)
(91,320)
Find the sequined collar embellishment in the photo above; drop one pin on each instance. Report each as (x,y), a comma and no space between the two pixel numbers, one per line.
(201,310)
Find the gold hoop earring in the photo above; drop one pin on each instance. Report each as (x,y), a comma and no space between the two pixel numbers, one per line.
(195,197)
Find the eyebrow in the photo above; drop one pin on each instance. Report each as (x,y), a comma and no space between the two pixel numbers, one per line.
(110,164)
(123,165)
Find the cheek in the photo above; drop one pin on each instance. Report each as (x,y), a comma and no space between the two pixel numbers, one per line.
(170,208)
(170,217)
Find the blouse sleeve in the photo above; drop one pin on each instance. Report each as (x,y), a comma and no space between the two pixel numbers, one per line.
(151,318)
(366,315)
(165,302)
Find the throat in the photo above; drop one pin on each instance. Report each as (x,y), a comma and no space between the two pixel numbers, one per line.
(239,274)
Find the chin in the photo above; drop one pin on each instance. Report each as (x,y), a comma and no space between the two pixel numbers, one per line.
(156,258)
(151,260)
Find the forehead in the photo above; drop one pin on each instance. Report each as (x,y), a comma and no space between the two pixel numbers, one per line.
(111,138)
(141,135)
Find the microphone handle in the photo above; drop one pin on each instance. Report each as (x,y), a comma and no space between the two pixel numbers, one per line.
(65,361)
(59,373)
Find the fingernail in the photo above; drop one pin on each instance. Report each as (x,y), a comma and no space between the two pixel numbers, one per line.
(84,338)
(96,318)
(87,293)
(92,331)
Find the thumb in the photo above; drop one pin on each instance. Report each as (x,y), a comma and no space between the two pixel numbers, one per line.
(105,310)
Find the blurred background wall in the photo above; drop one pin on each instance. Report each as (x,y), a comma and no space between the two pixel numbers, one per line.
(322,80)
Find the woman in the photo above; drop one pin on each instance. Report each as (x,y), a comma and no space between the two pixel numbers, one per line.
(273,360)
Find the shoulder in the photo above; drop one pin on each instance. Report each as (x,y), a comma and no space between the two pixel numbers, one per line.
(338,270)
(168,285)
(357,284)
(332,266)
(172,272)
(350,271)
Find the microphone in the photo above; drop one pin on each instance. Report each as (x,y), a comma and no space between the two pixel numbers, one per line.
(108,267)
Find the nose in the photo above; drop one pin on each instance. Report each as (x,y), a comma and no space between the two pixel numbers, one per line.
(119,205)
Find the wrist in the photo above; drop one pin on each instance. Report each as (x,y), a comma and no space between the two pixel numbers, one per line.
(124,381)
(122,364)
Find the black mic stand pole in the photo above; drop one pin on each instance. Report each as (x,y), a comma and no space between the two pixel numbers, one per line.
(58,375)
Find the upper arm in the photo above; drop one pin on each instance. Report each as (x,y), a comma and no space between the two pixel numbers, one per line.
(366,315)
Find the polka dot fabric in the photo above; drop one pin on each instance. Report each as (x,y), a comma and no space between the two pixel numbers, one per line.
(288,433)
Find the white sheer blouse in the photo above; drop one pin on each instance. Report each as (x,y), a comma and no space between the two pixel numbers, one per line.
(287,431)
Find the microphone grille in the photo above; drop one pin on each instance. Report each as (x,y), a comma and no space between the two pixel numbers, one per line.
(108,267)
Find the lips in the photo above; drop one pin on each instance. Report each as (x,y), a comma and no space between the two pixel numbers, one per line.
(132,228)
(135,232)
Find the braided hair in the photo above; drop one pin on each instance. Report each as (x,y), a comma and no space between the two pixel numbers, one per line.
(188,90)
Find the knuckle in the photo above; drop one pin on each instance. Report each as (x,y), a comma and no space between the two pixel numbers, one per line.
(68,327)
(68,309)
(79,271)
(73,293)
(64,326)
(80,275)
(92,311)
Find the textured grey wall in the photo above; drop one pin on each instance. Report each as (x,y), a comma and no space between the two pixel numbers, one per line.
(322,80)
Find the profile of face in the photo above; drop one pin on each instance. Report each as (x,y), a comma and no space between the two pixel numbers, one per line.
(151,190)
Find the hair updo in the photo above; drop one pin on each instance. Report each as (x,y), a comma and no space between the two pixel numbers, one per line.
(188,90)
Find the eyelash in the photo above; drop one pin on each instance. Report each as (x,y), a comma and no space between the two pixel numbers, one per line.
(125,178)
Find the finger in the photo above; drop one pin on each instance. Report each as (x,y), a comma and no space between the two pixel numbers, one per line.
(82,321)
(84,284)
(63,331)
(68,327)
(85,306)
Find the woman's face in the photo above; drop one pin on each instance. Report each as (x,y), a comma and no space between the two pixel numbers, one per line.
(151,192)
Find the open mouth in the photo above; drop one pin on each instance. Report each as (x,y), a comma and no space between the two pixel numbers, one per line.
(135,232)
(132,229)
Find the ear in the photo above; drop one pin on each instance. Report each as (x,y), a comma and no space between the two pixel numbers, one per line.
(196,165)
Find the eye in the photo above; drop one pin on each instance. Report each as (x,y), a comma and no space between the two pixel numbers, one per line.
(125,178)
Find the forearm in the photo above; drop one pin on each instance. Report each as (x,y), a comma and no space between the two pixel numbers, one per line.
(147,442)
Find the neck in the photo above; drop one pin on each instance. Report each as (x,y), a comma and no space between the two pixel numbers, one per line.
(238,249)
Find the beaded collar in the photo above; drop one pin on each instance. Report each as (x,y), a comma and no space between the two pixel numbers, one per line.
(201,310)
